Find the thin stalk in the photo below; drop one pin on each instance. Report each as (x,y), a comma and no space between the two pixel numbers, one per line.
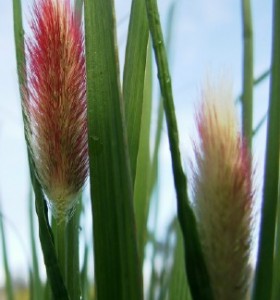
(36,281)
(248,77)
(264,270)
(72,255)
(60,244)
(194,261)
(160,112)
(8,278)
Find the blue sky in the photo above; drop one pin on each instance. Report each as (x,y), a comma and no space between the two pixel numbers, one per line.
(206,40)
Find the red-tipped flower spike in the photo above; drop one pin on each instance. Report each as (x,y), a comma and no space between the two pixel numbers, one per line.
(55,102)
(223,195)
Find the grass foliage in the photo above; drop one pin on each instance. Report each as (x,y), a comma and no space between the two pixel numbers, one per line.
(124,163)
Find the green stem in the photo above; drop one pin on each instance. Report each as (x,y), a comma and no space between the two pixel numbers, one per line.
(72,256)
(60,244)
(247,95)
(8,283)
(265,262)
(36,282)
(194,260)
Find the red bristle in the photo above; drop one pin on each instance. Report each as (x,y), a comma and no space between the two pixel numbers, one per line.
(55,101)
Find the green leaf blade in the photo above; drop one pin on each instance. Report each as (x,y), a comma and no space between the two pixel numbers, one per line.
(117,268)
(133,78)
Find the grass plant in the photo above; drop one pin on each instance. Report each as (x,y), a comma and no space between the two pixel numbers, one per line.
(121,138)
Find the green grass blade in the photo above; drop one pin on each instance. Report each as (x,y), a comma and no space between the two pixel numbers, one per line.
(45,233)
(264,270)
(8,277)
(36,281)
(248,75)
(133,78)
(142,191)
(194,260)
(117,268)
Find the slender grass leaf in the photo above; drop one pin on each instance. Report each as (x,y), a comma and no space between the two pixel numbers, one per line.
(142,191)
(194,260)
(133,78)
(265,260)
(248,75)
(117,268)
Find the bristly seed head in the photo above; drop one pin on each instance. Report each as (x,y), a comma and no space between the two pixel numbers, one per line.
(223,193)
(55,102)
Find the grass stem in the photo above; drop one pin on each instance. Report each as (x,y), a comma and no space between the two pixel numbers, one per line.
(248,77)
(194,260)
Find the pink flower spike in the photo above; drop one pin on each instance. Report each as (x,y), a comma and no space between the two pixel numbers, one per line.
(55,102)
(223,194)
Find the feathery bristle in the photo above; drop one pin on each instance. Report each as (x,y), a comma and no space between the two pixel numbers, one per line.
(55,102)
(223,195)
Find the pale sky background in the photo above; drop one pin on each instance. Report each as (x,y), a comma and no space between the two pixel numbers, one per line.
(206,40)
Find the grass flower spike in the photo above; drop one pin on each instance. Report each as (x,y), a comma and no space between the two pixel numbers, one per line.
(223,195)
(55,102)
